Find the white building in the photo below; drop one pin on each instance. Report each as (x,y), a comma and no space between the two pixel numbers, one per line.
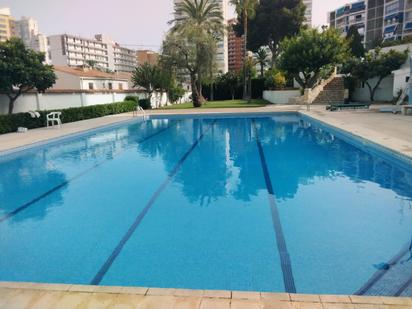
(222,56)
(308,12)
(27,29)
(75,51)
(69,78)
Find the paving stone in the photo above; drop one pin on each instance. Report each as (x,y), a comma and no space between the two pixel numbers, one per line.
(306,305)
(187,293)
(47,300)
(335,299)
(6,294)
(217,294)
(127,301)
(187,303)
(338,306)
(208,303)
(245,304)
(23,299)
(275,296)
(305,298)
(133,290)
(72,300)
(160,292)
(277,305)
(366,299)
(397,301)
(157,302)
(246,295)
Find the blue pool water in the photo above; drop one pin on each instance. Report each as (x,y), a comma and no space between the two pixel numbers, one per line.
(274,203)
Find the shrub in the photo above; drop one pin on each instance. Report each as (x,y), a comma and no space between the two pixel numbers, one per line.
(10,123)
(132,98)
(145,104)
(275,79)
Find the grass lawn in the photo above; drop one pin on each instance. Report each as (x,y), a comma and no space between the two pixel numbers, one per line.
(221,104)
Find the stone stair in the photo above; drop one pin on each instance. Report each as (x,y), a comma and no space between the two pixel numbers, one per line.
(332,93)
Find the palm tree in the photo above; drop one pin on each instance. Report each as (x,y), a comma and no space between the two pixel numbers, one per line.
(199,21)
(261,59)
(147,77)
(246,9)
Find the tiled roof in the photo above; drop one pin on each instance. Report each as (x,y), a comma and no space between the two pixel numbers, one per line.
(89,73)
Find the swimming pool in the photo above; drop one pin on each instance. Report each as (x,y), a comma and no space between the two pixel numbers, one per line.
(257,203)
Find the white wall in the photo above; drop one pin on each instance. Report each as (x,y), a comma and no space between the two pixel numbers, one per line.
(384,93)
(280,96)
(53,101)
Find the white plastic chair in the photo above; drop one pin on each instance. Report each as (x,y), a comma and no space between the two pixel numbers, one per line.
(53,119)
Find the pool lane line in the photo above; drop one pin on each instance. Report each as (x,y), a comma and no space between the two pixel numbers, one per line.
(403,287)
(380,273)
(286,265)
(65,183)
(115,253)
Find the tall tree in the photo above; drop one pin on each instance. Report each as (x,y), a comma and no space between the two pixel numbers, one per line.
(231,81)
(196,30)
(262,60)
(355,42)
(22,70)
(374,67)
(305,56)
(274,21)
(246,10)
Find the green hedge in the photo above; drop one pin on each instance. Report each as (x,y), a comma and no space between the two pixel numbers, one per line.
(10,123)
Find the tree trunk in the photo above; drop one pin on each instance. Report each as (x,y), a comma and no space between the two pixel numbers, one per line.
(373,91)
(261,69)
(212,92)
(245,30)
(195,91)
(12,100)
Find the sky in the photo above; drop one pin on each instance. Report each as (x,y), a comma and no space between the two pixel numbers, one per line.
(139,24)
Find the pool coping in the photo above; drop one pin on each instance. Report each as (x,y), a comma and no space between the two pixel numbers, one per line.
(318,301)
(14,293)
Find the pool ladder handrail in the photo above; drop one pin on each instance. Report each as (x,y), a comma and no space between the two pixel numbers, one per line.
(139,109)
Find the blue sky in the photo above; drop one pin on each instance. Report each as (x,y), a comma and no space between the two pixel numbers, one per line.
(137,23)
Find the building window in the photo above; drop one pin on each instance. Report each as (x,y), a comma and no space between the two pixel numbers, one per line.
(110,86)
(120,86)
(91,86)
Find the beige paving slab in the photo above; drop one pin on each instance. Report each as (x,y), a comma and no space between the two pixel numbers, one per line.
(210,303)
(366,299)
(305,298)
(188,293)
(187,303)
(245,304)
(217,294)
(157,302)
(72,300)
(246,295)
(6,294)
(275,296)
(23,299)
(335,299)
(304,305)
(100,301)
(134,290)
(277,305)
(48,300)
(338,306)
(127,301)
(160,292)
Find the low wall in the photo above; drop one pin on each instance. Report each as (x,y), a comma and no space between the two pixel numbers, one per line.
(60,100)
(280,96)
(384,93)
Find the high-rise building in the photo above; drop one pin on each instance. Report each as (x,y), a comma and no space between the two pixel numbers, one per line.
(7,25)
(351,14)
(146,56)
(222,44)
(236,49)
(308,12)
(28,30)
(69,50)
(374,21)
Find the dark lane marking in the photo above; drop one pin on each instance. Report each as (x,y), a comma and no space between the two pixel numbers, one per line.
(106,266)
(286,264)
(403,287)
(380,273)
(65,183)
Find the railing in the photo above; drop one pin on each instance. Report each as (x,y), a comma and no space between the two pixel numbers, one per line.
(310,94)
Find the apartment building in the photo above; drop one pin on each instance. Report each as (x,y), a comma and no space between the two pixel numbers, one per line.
(376,20)
(236,49)
(147,56)
(7,25)
(69,50)
(27,29)
(308,12)
(222,61)
(348,15)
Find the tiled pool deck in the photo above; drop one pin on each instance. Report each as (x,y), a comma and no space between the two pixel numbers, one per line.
(391,131)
